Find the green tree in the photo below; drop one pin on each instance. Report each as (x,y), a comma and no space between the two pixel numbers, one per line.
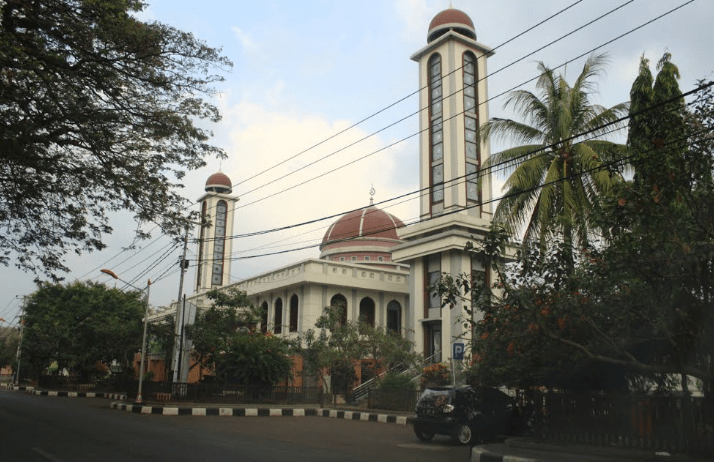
(637,309)
(215,328)
(336,347)
(8,346)
(552,184)
(254,358)
(80,324)
(98,114)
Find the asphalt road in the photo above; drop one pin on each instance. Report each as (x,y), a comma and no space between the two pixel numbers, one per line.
(42,429)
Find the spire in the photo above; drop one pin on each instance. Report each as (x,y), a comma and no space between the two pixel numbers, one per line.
(371,195)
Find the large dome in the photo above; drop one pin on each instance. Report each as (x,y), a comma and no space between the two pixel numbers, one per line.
(451,19)
(220,183)
(364,235)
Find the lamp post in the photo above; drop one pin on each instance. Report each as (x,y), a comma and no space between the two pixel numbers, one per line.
(143,338)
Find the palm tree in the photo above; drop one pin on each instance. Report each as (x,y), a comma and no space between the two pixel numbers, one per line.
(554,174)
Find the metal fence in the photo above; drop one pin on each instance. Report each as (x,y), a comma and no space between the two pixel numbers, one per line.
(392,400)
(61,382)
(219,393)
(660,423)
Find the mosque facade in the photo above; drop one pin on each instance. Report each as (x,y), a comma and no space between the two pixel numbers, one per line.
(369,260)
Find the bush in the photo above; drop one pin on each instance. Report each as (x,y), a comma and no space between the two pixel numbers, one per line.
(436,374)
(396,381)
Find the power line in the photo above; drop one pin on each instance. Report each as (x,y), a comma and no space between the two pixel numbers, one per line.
(456,115)
(393,104)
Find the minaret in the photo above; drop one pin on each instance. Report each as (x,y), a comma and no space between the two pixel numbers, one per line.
(215,245)
(456,202)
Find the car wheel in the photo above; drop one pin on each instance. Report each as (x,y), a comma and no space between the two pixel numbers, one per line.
(463,434)
(422,435)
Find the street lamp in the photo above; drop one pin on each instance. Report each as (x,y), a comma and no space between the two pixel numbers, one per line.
(146,322)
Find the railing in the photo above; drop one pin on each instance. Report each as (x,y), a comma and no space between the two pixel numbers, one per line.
(659,423)
(360,391)
(392,400)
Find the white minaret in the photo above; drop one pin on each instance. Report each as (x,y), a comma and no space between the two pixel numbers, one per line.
(215,244)
(456,205)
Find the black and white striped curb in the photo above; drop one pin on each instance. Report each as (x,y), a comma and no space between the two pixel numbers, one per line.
(482,455)
(262,412)
(78,394)
(18,388)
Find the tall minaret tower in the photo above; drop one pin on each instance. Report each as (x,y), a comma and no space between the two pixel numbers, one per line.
(455,204)
(215,245)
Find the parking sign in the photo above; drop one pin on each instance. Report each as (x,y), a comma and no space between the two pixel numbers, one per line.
(458,352)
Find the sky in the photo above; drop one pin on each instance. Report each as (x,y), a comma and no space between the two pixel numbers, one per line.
(305,71)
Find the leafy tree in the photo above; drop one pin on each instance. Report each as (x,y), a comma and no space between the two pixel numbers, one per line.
(215,327)
(336,347)
(637,311)
(8,346)
(80,324)
(98,114)
(254,358)
(546,193)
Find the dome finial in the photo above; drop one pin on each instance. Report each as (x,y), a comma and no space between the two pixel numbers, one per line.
(371,195)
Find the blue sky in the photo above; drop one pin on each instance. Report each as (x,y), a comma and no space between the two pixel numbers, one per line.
(304,70)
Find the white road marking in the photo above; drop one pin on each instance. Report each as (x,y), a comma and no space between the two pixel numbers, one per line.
(46,455)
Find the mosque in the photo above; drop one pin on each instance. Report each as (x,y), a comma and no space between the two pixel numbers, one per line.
(369,260)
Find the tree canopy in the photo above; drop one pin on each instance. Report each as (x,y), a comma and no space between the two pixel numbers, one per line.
(336,346)
(216,329)
(554,176)
(98,113)
(636,311)
(80,324)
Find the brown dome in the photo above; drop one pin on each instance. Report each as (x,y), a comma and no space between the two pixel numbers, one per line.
(220,183)
(369,223)
(362,236)
(451,19)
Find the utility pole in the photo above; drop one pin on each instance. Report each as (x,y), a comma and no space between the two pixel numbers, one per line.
(19,342)
(178,327)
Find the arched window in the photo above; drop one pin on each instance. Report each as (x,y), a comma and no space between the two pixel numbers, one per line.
(201,243)
(436,133)
(278,319)
(394,317)
(366,310)
(294,313)
(339,300)
(219,238)
(470,126)
(264,317)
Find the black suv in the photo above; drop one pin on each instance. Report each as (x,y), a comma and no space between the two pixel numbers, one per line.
(467,414)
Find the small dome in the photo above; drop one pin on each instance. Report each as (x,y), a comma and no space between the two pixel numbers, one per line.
(451,19)
(219,183)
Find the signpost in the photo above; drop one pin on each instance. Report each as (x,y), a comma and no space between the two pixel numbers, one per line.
(457,354)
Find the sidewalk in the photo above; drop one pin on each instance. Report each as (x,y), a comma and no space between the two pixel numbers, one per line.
(524,449)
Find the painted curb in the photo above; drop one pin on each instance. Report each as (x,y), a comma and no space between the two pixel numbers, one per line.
(77,394)
(482,455)
(262,412)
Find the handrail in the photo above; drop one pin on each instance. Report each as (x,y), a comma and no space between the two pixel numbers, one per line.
(361,390)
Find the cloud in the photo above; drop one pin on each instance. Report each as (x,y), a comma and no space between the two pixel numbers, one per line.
(258,138)
(245,40)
